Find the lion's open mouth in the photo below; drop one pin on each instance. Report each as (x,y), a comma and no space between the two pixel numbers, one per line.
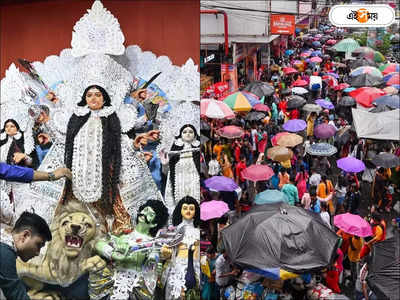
(74,241)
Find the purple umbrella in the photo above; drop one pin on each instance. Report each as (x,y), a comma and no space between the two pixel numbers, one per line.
(221,183)
(333,74)
(324,131)
(325,104)
(295,125)
(350,164)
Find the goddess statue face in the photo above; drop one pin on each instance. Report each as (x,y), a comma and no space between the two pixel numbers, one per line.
(10,129)
(94,99)
(188,211)
(188,135)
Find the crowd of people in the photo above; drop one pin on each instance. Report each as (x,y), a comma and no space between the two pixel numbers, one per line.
(311,181)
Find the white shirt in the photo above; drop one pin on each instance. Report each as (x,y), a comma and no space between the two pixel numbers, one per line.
(325,217)
(221,267)
(315,179)
(213,167)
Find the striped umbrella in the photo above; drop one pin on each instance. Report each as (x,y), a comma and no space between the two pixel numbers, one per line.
(346,45)
(241,101)
(392,78)
(215,109)
(389,68)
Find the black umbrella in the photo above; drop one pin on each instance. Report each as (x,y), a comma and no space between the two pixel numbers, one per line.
(384,269)
(255,116)
(365,79)
(286,91)
(380,108)
(361,62)
(295,101)
(386,160)
(347,101)
(283,236)
(260,89)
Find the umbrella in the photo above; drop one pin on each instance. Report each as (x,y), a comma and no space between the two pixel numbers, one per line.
(289,140)
(305,54)
(286,91)
(380,108)
(213,209)
(257,173)
(279,153)
(379,57)
(341,86)
(295,125)
(275,138)
(215,109)
(347,101)
(392,78)
(221,184)
(316,59)
(392,101)
(324,131)
(259,88)
(363,50)
(331,42)
(261,107)
(324,103)
(241,101)
(255,116)
(289,70)
(321,149)
(289,52)
(346,45)
(280,236)
(362,62)
(384,269)
(295,101)
(333,74)
(316,53)
(231,132)
(299,91)
(366,95)
(353,224)
(339,65)
(366,70)
(332,81)
(390,90)
(270,196)
(300,82)
(386,160)
(350,164)
(349,89)
(312,108)
(316,44)
(366,76)
(389,68)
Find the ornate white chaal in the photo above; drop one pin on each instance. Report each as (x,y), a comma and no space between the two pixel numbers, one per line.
(98,31)
(127,115)
(181,114)
(101,70)
(87,166)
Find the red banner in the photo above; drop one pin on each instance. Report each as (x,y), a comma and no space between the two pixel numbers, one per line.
(282,24)
(229,75)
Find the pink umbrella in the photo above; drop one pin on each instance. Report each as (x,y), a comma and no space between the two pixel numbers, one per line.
(341,86)
(231,132)
(324,131)
(305,54)
(300,82)
(213,209)
(215,109)
(261,107)
(316,59)
(289,70)
(331,42)
(275,138)
(353,224)
(257,173)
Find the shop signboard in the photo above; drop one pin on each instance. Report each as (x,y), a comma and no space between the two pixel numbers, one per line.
(282,24)
(229,75)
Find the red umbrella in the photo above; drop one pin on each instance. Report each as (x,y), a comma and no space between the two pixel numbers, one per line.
(332,81)
(395,79)
(316,59)
(331,42)
(257,173)
(261,107)
(275,138)
(300,82)
(341,86)
(289,70)
(366,95)
(231,132)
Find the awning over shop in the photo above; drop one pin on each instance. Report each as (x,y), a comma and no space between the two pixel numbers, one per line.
(380,126)
(238,39)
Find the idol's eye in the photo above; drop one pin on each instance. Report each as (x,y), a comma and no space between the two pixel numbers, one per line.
(88,225)
(64,223)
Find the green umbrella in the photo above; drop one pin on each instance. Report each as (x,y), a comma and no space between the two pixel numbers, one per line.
(346,45)
(379,57)
(270,196)
(383,67)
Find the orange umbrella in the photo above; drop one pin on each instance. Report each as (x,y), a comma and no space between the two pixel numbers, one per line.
(279,153)
(290,140)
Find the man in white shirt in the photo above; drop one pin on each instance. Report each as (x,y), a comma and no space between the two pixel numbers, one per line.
(224,275)
(213,166)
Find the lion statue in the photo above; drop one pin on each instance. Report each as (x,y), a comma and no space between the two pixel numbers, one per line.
(69,255)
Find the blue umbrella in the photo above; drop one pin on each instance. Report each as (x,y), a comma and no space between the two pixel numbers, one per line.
(324,103)
(392,101)
(349,89)
(316,52)
(270,196)
(295,125)
(289,52)
(316,44)
(396,86)
(321,149)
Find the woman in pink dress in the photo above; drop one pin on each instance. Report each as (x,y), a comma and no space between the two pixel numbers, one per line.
(301,180)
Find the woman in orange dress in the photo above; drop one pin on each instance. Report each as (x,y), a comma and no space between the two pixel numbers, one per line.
(227,167)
